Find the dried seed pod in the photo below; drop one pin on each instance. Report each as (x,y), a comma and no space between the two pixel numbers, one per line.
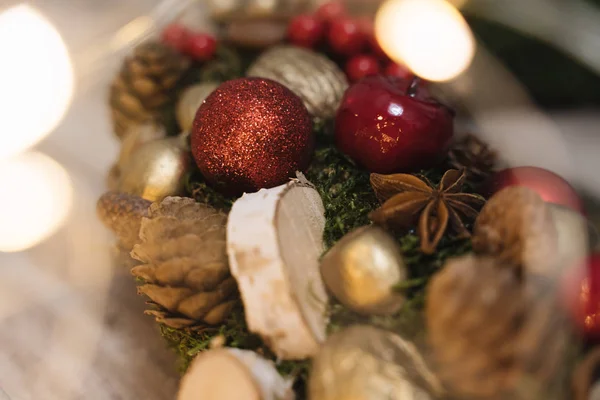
(493,334)
(367,363)
(122,213)
(517,227)
(185,270)
(362,269)
(310,75)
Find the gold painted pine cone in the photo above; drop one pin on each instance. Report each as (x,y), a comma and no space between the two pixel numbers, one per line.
(493,334)
(313,77)
(185,268)
(145,85)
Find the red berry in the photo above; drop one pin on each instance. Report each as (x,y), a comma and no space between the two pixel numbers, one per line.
(306,30)
(398,70)
(176,36)
(331,10)
(345,37)
(360,66)
(201,46)
(387,128)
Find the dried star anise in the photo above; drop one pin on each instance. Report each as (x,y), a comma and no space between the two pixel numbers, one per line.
(408,199)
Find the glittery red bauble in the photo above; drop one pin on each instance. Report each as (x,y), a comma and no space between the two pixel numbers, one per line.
(580,294)
(388,125)
(551,187)
(251,133)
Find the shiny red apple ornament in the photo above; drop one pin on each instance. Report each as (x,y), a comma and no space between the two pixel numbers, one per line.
(550,186)
(388,124)
(580,293)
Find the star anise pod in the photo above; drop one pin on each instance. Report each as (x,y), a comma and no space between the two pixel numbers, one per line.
(408,199)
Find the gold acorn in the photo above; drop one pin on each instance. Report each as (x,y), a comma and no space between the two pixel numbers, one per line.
(189,102)
(185,268)
(146,86)
(156,169)
(313,77)
(362,269)
(493,333)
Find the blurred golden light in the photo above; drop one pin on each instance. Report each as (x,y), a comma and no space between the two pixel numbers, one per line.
(35,200)
(430,36)
(36,79)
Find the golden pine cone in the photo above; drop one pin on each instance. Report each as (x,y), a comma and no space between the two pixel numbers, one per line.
(493,334)
(185,268)
(146,85)
(311,76)
(517,227)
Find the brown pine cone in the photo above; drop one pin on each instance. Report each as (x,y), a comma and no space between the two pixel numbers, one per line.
(493,335)
(122,213)
(475,156)
(185,268)
(146,85)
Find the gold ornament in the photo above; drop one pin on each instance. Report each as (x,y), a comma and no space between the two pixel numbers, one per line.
(189,102)
(135,137)
(367,363)
(146,85)
(256,33)
(122,213)
(312,76)
(576,236)
(516,226)
(362,269)
(494,334)
(185,271)
(225,11)
(157,169)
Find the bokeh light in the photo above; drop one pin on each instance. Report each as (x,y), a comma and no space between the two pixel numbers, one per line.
(430,36)
(36,79)
(36,195)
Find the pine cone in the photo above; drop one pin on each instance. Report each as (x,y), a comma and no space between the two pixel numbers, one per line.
(475,156)
(146,85)
(185,268)
(122,213)
(493,335)
(311,76)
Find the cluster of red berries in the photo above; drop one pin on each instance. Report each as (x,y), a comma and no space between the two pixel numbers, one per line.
(197,45)
(351,38)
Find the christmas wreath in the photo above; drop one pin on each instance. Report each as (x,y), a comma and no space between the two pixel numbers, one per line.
(304,223)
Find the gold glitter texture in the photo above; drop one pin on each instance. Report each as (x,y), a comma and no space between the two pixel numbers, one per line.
(251,133)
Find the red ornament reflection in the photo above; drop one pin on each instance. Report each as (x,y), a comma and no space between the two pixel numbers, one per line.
(581,296)
(550,186)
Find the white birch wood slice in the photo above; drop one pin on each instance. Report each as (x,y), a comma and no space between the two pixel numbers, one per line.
(274,242)
(233,374)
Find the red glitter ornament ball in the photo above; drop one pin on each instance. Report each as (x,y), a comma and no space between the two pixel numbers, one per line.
(550,186)
(251,133)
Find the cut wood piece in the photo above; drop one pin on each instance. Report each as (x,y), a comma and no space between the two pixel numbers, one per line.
(274,242)
(233,374)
